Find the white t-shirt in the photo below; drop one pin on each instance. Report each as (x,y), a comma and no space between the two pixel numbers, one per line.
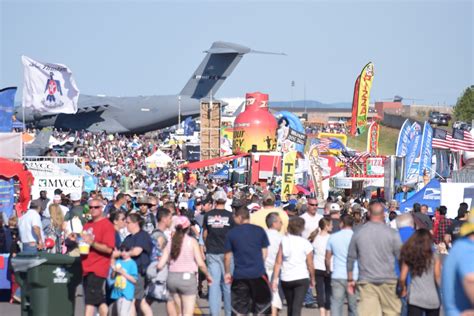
(274,237)
(319,247)
(310,223)
(295,249)
(25,226)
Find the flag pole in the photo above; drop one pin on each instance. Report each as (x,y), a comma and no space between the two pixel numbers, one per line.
(23,150)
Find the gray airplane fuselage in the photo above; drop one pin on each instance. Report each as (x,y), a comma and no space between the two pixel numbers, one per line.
(137,115)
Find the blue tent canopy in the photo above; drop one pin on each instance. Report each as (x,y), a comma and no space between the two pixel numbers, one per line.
(429,195)
(221,174)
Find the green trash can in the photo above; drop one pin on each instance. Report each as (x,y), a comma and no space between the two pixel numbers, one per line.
(48,283)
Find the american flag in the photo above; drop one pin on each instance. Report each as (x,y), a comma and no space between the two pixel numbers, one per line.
(462,140)
(441,139)
(322,144)
(459,140)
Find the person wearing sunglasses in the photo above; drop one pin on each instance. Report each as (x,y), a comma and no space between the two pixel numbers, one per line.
(95,265)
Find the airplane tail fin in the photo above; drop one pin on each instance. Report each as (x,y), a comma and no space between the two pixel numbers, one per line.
(220,61)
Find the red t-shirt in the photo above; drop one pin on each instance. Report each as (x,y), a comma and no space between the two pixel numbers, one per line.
(99,262)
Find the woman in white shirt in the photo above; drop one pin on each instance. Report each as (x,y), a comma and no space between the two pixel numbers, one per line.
(295,262)
(320,238)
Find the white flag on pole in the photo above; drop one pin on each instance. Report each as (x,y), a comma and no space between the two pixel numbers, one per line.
(49,88)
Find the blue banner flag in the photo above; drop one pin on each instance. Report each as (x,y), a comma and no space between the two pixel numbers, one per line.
(403,139)
(426,152)
(7,100)
(189,126)
(7,196)
(413,152)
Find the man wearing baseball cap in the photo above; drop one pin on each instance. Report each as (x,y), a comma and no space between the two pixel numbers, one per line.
(216,224)
(458,273)
(335,215)
(268,202)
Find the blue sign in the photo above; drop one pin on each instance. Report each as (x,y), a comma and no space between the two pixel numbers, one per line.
(403,139)
(7,196)
(426,153)
(411,168)
(429,195)
(107,193)
(222,174)
(90,183)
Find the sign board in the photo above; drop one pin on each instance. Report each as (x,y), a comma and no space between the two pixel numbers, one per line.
(49,183)
(296,137)
(343,183)
(289,166)
(107,193)
(12,146)
(41,166)
(452,194)
(375,166)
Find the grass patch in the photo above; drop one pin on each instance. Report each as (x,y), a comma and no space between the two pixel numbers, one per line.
(387,141)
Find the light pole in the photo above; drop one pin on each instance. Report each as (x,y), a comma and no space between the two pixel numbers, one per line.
(179,111)
(292,87)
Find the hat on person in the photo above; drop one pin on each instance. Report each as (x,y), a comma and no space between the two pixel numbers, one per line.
(289,207)
(335,208)
(199,192)
(182,221)
(468,227)
(219,195)
(237,203)
(183,205)
(142,200)
(76,196)
(253,207)
(268,196)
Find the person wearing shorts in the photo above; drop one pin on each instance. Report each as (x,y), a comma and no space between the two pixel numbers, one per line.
(184,257)
(99,234)
(247,244)
(141,246)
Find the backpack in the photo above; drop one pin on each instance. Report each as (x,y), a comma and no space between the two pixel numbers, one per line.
(157,288)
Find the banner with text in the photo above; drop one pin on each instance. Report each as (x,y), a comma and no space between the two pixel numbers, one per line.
(288,174)
(68,184)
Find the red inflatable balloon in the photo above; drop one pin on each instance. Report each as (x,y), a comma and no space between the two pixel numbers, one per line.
(49,243)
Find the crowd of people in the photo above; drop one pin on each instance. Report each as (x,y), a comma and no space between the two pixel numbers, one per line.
(244,254)
(245,249)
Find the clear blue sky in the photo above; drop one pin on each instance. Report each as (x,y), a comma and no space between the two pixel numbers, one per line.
(421,49)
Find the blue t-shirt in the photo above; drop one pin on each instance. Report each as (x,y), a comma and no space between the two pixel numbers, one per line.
(459,262)
(405,234)
(246,242)
(141,239)
(338,244)
(121,286)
